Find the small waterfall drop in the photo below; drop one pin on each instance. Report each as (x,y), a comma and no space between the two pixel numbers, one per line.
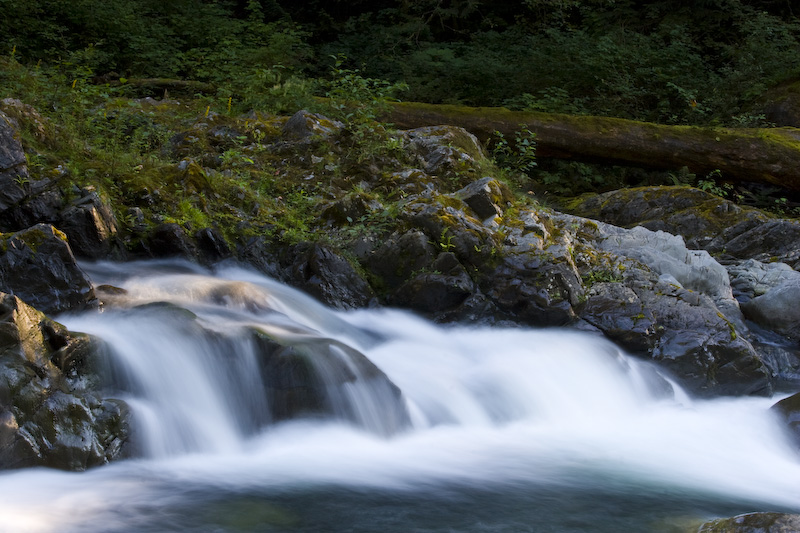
(245,391)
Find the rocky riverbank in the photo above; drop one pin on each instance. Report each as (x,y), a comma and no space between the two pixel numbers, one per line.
(424,221)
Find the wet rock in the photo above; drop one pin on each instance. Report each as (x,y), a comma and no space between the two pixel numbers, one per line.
(42,206)
(534,290)
(754,523)
(303,126)
(38,266)
(50,414)
(329,277)
(788,410)
(261,254)
(319,377)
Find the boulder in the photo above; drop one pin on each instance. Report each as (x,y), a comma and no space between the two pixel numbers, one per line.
(212,246)
(704,220)
(91,227)
(329,277)
(170,240)
(788,410)
(485,197)
(50,412)
(37,265)
(318,377)
(304,126)
(400,256)
(442,149)
(14,177)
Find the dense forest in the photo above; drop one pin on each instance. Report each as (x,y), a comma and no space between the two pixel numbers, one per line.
(666,61)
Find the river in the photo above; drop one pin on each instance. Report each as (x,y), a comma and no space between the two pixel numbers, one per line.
(501,430)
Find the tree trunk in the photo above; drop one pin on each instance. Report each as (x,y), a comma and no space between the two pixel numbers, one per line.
(767,155)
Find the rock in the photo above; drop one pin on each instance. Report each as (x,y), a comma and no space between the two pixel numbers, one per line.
(400,256)
(774,240)
(43,205)
(170,240)
(445,287)
(91,228)
(304,126)
(667,255)
(751,278)
(534,290)
(38,266)
(212,246)
(350,208)
(50,414)
(322,377)
(22,115)
(14,177)
(754,523)
(705,221)
(329,277)
(442,149)
(777,309)
(261,255)
(788,410)
(485,197)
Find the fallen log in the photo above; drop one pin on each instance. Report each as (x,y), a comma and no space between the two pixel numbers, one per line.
(764,155)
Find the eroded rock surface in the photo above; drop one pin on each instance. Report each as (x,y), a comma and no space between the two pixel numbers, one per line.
(50,414)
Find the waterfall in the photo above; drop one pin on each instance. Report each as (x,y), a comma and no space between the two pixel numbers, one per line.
(257,409)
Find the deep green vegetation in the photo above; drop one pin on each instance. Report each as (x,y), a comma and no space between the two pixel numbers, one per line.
(669,61)
(84,64)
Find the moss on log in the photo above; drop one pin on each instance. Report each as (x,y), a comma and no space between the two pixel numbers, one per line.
(767,155)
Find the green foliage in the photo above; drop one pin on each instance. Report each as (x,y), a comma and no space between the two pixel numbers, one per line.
(518,157)
(357,101)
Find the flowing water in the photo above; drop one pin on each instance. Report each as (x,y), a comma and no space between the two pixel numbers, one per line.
(492,430)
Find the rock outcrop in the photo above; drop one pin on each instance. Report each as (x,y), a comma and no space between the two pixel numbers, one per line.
(38,266)
(50,414)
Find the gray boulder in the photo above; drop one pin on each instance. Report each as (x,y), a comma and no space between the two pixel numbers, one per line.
(443,149)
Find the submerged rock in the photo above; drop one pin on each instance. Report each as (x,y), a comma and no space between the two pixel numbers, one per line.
(50,414)
(319,377)
(754,523)
(788,410)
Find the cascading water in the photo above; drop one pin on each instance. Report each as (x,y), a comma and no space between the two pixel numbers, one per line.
(257,409)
